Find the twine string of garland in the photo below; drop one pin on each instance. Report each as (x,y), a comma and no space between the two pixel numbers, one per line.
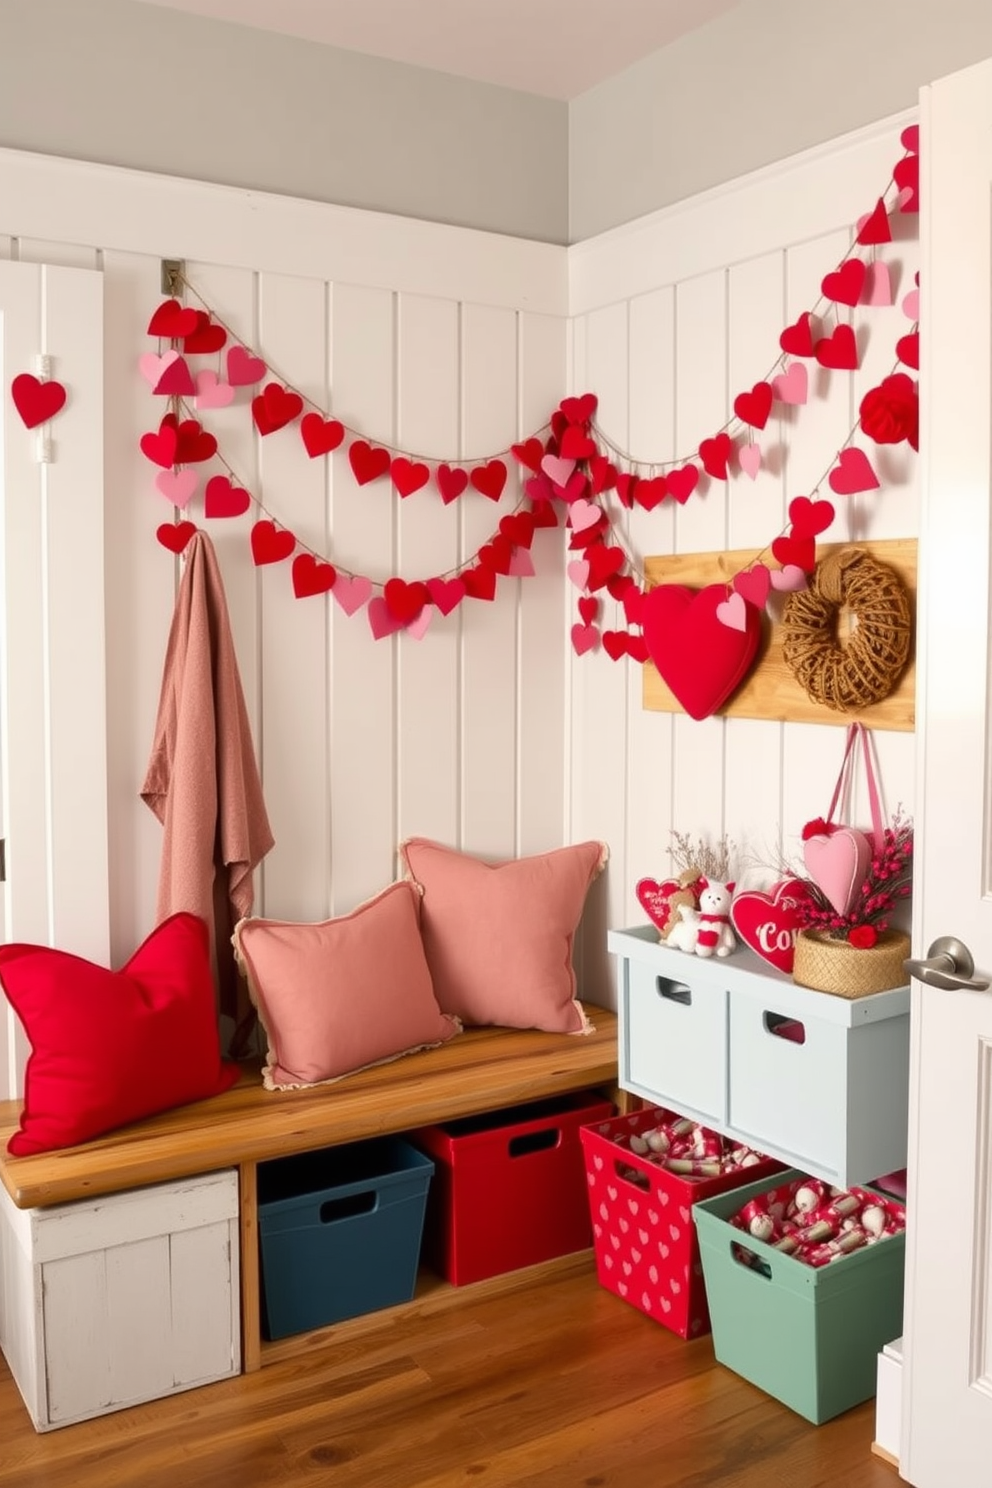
(865,668)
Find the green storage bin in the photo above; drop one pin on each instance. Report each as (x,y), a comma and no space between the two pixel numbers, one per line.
(810,1337)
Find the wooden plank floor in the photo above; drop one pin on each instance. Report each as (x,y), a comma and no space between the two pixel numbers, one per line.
(559,1385)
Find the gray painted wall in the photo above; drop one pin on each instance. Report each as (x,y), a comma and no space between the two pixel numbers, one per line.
(766,80)
(158,90)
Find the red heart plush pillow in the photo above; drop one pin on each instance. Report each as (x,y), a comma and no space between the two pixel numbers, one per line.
(702,660)
(769,923)
(108,1047)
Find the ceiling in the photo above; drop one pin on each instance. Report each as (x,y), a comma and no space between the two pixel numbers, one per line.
(558,48)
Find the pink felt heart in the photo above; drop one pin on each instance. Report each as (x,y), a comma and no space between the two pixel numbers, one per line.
(382,621)
(557,470)
(243,369)
(211,392)
(521,564)
(753,584)
(701,661)
(750,458)
(654,898)
(837,863)
(583,514)
(578,572)
(446,594)
(584,638)
(911,304)
(788,579)
(733,612)
(792,385)
(351,592)
(769,923)
(417,627)
(852,473)
(177,486)
(151,365)
(878,289)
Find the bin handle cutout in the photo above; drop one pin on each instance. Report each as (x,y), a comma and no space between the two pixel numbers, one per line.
(628,1174)
(782,1027)
(348,1206)
(674,991)
(750,1261)
(538,1141)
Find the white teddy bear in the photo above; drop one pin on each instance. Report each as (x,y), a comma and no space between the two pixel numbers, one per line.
(707,930)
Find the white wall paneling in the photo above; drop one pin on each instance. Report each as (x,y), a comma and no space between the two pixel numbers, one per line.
(674,315)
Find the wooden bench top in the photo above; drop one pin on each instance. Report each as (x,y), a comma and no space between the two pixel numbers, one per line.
(482,1069)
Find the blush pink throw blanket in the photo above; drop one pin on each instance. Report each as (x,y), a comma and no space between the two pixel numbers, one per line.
(202,780)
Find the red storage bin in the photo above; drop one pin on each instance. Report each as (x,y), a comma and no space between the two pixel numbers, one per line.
(644,1236)
(509,1187)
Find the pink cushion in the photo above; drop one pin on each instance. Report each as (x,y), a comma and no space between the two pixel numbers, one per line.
(498,936)
(108,1047)
(343,994)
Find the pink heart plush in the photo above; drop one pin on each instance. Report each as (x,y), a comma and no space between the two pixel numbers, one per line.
(837,863)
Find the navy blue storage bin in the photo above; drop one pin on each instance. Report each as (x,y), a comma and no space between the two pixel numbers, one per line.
(339,1232)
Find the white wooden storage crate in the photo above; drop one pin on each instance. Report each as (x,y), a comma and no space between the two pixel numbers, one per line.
(705,1036)
(108,1302)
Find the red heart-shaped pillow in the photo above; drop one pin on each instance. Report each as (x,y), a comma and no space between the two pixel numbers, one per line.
(701,660)
(769,923)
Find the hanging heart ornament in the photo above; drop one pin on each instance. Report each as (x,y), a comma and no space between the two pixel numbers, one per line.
(837,862)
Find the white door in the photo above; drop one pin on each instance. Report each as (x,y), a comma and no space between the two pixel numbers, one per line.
(947,1384)
(53,708)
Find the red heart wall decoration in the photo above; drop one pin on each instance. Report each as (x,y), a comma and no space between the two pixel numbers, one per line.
(193,443)
(715,454)
(451,481)
(274,408)
(489,479)
(838,351)
(702,661)
(223,499)
(769,923)
(797,339)
(320,436)
(875,228)
(175,535)
(530,453)
(654,898)
(845,284)
(754,407)
(172,321)
(408,475)
(579,410)
(312,576)
(269,544)
(682,481)
(446,594)
(159,445)
(243,369)
(368,463)
(35,401)
(207,337)
(852,473)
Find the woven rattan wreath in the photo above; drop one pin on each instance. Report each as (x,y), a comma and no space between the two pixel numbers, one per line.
(866,667)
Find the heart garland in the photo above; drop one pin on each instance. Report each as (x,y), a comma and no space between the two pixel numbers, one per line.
(571,465)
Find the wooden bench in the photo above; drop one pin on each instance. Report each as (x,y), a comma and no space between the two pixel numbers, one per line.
(483,1069)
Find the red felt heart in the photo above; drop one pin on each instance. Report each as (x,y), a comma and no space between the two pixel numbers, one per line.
(160,446)
(588,609)
(797,339)
(408,476)
(269,544)
(809,518)
(274,408)
(839,350)
(175,535)
(619,584)
(584,537)
(368,462)
(489,479)
(579,410)
(530,453)
(798,552)
(876,227)
(715,454)
(223,499)
(907,177)
(602,474)
(852,473)
(769,923)
(603,563)
(243,369)
(559,423)
(176,379)
(682,481)
(544,514)
(632,600)
(845,284)
(312,576)
(480,583)
(627,485)
(320,435)
(753,584)
(584,638)
(653,897)
(615,643)
(518,528)
(910,138)
(173,321)
(193,443)
(754,407)
(576,444)
(36,401)
(497,555)
(908,350)
(446,594)
(701,660)
(650,493)
(637,648)
(451,481)
(207,337)
(404,600)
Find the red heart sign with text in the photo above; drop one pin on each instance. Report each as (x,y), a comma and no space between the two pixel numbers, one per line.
(654,897)
(701,660)
(769,923)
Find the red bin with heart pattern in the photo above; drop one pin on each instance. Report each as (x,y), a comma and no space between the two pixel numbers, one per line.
(644,1236)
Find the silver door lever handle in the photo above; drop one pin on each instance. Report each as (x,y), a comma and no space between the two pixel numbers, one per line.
(949,965)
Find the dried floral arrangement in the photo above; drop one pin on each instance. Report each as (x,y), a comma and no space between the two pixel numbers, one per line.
(702,859)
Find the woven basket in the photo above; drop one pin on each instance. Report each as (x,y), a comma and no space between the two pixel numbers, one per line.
(836,966)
